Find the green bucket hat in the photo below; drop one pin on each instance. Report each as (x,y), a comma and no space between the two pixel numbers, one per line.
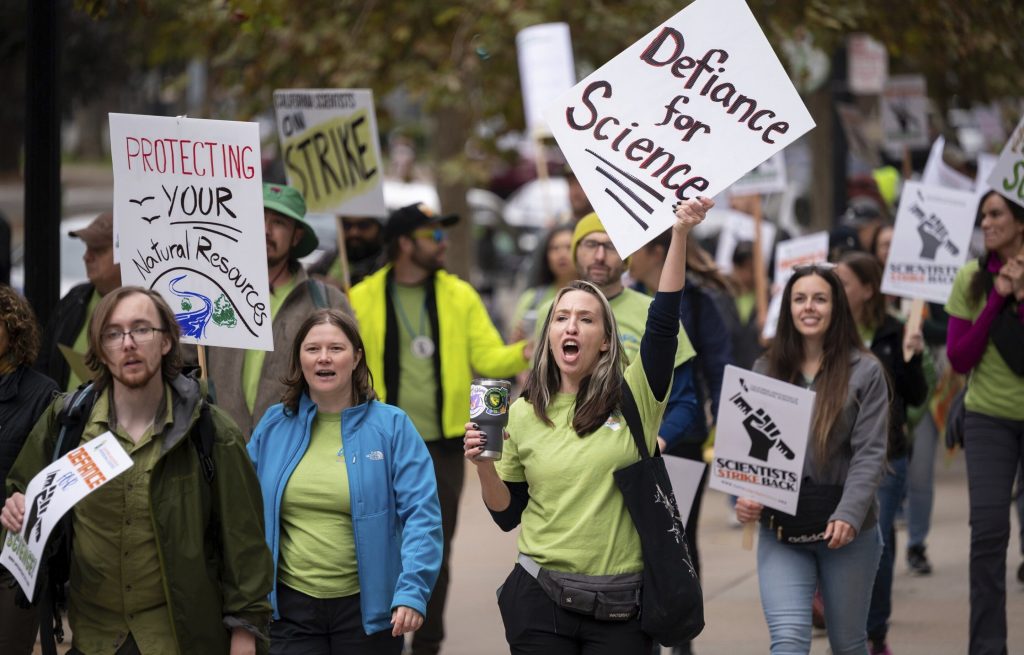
(288,201)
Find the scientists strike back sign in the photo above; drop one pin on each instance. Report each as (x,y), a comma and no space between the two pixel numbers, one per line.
(188,223)
(685,111)
(330,147)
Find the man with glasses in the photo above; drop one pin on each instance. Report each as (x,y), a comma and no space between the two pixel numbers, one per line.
(426,333)
(247,382)
(164,558)
(67,325)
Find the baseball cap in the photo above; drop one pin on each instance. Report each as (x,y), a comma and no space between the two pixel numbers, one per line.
(409,219)
(288,201)
(99,233)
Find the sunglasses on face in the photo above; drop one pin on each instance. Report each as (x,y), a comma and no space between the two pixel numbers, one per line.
(437,234)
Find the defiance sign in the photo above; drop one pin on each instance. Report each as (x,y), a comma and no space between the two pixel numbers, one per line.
(188,216)
(329,143)
(683,112)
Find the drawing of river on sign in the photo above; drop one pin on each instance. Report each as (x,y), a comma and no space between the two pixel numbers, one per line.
(191,320)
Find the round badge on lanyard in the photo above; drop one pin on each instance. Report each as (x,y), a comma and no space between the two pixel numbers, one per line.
(422,347)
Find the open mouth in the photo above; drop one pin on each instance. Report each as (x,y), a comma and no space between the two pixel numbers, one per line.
(570,349)
(325,374)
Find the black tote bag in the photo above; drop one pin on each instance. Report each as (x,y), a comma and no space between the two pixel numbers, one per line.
(672,605)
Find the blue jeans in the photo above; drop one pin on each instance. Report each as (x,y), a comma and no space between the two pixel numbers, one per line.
(788,575)
(890,494)
(921,481)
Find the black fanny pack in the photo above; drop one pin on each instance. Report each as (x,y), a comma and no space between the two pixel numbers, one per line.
(604,597)
(1007,334)
(816,504)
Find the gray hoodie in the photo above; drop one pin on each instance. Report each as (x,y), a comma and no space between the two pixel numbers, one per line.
(857,443)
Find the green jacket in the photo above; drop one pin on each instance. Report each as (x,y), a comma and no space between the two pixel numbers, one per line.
(468,343)
(217,570)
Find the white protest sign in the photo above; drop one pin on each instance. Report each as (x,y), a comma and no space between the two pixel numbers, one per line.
(188,209)
(867,64)
(685,111)
(546,70)
(51,493)
(761,439)
(800,251)
(767,177)
(929,242)
(685,476)
(905,111)
(736,227)
(330,149)
(938,173)
(1008,176)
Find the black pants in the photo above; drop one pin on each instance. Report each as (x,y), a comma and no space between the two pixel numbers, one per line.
(535,625)
(993,448)
(311,626)
(450,471)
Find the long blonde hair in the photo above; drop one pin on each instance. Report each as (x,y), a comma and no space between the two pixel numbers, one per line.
(600,392)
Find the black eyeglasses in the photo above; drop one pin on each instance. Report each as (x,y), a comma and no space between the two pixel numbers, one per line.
(114,338)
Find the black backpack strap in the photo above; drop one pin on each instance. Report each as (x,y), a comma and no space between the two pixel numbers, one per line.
(636,427)
(72,418)
(202,438)
(318,292)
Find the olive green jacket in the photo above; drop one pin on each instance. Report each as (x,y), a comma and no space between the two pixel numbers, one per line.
(217,569)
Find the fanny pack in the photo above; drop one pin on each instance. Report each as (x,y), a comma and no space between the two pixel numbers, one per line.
(816,504)
(1007,334)
(604,597)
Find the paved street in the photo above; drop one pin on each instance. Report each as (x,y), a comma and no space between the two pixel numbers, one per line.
(929,617)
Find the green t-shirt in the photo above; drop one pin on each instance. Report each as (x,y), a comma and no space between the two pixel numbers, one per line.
(630,310)
(745,304)
(529,306)
(318,550)
(992,388)
(252,366)
(867,335)
(575,520)
(82,340)
(417,387)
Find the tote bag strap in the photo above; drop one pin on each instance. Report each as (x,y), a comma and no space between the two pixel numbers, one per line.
(636,426)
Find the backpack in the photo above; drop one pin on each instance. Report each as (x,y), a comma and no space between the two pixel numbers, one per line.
(55,570)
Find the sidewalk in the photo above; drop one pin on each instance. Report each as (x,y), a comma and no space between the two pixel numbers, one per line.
(929,617)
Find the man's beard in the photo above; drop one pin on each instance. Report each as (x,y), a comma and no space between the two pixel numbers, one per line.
(357,251)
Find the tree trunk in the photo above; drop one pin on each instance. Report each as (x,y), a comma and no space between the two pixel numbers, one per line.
(450,140)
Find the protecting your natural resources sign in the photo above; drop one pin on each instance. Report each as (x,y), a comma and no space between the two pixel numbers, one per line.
(188,220)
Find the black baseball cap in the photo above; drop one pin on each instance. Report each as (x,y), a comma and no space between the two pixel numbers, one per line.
(411,218)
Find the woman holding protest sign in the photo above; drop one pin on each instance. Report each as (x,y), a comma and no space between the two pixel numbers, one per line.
(350,503)
(24,395)
(566,437)
(884,334)
(984,339)
(833,539)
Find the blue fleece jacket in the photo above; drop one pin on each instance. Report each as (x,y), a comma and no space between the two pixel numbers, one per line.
(396,516)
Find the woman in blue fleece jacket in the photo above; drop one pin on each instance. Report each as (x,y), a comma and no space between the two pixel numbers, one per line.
(349,502)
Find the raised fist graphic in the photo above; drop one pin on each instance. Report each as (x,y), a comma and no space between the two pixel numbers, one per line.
(934,234)
(763,435)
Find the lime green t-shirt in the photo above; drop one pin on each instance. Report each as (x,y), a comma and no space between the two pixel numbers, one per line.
(867,335)
(745,303)
(82,340)
(575,520)
(252,365)
(318,550)
(992,388)
(417,387)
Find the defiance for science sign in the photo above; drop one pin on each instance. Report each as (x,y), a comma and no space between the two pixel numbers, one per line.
(683,112)
(188,218)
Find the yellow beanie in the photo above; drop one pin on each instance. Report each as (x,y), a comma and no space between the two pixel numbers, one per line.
(586,225)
